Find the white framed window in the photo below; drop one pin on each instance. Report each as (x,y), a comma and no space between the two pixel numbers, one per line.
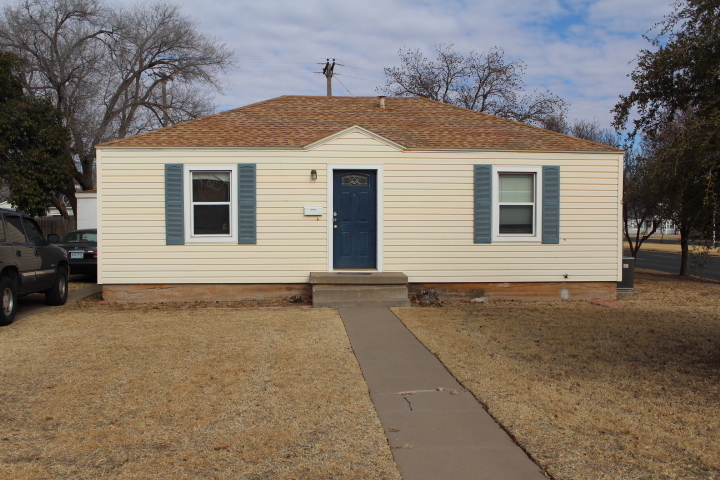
(211,209)
(517,204)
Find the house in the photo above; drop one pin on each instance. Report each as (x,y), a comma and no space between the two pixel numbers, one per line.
(87,209)
(250,202)
(644,227)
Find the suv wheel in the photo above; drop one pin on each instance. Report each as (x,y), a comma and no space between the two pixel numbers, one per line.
(57,295)
(8,300)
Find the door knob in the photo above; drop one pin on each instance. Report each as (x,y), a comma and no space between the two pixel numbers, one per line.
(335,227)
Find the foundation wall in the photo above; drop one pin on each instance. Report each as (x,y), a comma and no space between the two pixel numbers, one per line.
(452,291)
(521,291)
(202,292)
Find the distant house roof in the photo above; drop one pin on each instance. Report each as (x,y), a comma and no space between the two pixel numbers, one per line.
(413,122)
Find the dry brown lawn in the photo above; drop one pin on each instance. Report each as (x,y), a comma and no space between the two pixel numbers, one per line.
(81,281)
(187,391)
(670,244)
(594,392)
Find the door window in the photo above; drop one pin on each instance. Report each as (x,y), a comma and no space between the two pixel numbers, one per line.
(354,180)
(15,229)
(33,232)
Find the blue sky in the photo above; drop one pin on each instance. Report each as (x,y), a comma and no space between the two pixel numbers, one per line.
(578,49)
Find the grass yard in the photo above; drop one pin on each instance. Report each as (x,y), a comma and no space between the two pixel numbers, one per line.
(594,392)
(671,244)
(187,391)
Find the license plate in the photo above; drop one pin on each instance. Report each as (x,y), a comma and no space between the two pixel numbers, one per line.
(77,254)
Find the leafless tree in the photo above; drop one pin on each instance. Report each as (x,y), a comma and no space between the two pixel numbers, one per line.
(485,82)
(105,68)
(640,191)
(593,131)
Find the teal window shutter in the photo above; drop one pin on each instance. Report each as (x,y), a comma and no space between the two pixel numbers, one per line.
(174,215)
(483,204)
(551,205)
(247,203)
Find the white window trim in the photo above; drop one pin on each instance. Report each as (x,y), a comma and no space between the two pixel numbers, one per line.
(188,210)
(537,226)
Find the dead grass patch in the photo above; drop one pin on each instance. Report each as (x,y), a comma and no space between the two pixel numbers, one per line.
(593,392)
(102,391)
(671,244)
(78,282)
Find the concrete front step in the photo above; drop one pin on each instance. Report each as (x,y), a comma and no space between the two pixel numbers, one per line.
(358,278)
(341,296)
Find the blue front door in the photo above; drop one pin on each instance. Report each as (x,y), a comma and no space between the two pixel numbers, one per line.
(354,219)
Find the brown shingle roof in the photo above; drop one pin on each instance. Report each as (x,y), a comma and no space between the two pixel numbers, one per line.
(298,121)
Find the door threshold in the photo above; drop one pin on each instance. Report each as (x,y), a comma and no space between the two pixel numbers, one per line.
(367,271)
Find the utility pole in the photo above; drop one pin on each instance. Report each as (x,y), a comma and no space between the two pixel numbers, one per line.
(163,84)
(164,94)
(328,72)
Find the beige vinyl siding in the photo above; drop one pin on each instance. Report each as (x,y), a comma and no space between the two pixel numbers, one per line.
(427,216)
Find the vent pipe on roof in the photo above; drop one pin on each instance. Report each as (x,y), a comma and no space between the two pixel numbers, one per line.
(382,101)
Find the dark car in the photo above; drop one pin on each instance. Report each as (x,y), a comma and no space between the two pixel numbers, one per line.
(28,264)
(81,247)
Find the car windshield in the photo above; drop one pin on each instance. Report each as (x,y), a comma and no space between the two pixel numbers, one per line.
(80,237)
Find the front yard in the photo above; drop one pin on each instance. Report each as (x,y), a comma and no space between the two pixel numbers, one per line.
(594,392)
(186,391)
(224,391)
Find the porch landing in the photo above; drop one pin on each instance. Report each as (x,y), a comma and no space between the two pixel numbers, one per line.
(359,289)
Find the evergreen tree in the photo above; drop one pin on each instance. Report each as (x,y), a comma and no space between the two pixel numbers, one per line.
(34,162)
(676,97)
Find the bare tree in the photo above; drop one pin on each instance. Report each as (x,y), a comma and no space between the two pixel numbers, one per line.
(106,68)
(485,82)
(641,190)
(593,131)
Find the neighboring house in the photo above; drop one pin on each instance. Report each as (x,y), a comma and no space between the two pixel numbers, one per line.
(664,227)
(250,201)
(87,209)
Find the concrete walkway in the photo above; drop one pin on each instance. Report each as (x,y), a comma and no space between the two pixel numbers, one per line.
(434,427)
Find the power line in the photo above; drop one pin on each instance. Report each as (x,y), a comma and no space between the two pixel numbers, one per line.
(366,69)
(275,71)
(589,105)
(346,89)
(358,78)
(281,63)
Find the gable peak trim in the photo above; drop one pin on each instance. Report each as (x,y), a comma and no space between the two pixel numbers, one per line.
(351,130)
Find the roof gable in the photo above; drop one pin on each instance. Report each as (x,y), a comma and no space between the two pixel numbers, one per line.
(296,122)
(355,131)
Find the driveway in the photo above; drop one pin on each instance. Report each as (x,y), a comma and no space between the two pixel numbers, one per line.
(80,287)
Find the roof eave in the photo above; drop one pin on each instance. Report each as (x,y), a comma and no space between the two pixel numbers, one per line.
(403,149)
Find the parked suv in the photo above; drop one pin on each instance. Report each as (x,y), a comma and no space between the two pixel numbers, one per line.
(28,264)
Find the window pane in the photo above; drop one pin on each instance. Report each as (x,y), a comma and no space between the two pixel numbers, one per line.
(211,219)
(517,187)
(211,186)
(33,232)
(516,219)
(15,230)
